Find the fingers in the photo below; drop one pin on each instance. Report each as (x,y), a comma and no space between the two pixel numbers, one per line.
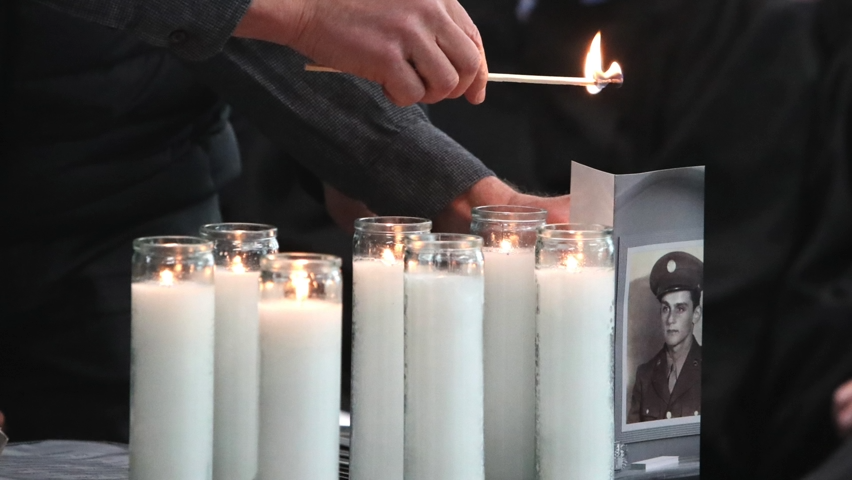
(474,91)
(464,55)
(439,75)
(404,86)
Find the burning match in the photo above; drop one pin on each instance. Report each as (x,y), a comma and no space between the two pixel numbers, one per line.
(595,78)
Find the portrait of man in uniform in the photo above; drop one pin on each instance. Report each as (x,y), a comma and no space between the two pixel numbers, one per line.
(668,384)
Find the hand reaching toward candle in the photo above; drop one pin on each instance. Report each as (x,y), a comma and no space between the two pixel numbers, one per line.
(418,50)
(842,410)
(456,216)
(491,191)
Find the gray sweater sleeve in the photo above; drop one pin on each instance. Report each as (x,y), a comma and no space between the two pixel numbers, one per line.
(192,29)
(343,129)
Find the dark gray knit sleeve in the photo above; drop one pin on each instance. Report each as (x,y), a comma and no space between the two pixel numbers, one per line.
(192,29)
(344,130)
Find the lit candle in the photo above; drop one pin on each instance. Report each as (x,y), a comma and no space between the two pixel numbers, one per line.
(238,248)
(444,297)
(172,328)
(377,346)
(576,289)
(300,342)
(509,234)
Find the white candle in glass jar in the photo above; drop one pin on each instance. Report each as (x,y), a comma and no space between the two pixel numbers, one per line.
(509,358)
(575,424)
(237,373)
(300,344)
(172,342)
(377,369)
(443,377)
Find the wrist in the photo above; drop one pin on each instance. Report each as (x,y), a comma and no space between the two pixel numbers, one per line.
(273,21)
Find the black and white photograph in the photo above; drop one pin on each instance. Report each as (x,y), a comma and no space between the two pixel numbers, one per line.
(663,335)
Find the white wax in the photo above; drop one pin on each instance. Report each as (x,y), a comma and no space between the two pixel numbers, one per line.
(299,389)
(443,377)
(509,354)
(377,371)
(237,376)
(171,408)
(575,425)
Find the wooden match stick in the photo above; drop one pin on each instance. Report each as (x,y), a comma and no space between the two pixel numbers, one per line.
(513,78)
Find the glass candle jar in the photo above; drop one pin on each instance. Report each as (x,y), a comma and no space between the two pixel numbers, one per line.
(376,451)
(300,350)
(238,248)
(172,341)
(444,301)
(509,235)
(575,334)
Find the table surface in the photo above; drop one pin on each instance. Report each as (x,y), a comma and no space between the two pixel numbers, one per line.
(75,460)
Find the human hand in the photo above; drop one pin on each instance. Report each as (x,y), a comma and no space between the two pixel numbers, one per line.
(344,210)
(418,50)
(491,191)
(843,409)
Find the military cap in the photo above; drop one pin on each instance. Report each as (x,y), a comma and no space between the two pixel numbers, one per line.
(676,271)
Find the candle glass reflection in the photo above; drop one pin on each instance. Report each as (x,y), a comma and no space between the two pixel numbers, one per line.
(509,237)
(172,341)
(300,341)
(238,248)
(444,300)
(378,344)
(575,279)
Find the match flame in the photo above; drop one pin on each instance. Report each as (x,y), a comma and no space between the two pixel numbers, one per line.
(237,265)
(301,281)
(167,278)
(388,258)
(594,67)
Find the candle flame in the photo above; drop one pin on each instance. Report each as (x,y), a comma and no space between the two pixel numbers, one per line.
(301,281)
(167,278)
(506,245)
(594,67)
(237,265)
(388,258)
(573,263)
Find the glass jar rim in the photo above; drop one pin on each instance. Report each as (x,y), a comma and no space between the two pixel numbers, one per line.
(300,261)
(509,213)
(574,231)
(236,231)
(443,241)
(173,244)
(393,225)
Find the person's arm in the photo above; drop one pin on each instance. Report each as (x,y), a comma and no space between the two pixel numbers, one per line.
(192,29)
(344,130)
(417,50)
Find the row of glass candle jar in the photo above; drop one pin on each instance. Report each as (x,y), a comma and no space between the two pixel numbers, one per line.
(498,364)
(417,410)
